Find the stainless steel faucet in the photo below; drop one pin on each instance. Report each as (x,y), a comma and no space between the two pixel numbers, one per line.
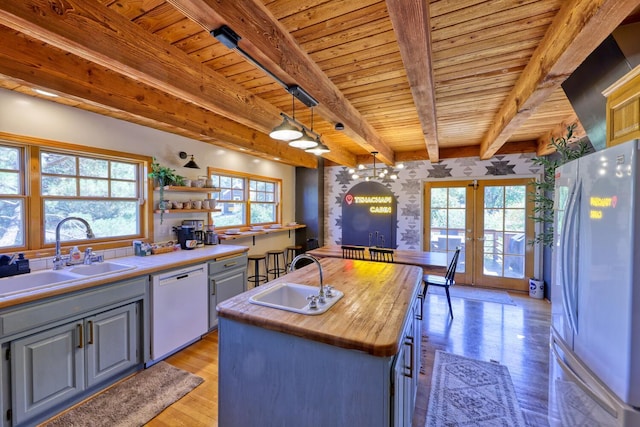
(292,267)
(58,262)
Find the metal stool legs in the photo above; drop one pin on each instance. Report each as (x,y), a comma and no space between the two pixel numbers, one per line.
(258,278)
(276,263)
(290,254)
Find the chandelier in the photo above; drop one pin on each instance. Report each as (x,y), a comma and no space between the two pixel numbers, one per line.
(375,172)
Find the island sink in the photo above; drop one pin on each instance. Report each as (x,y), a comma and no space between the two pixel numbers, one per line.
(294,297)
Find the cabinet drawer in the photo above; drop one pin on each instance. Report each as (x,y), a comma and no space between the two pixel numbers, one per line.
(216,267)
(45,312)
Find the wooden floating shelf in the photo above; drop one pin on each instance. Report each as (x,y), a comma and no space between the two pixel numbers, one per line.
(189,189)
(172,211)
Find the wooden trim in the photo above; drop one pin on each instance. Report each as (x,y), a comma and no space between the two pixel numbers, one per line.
(33,209)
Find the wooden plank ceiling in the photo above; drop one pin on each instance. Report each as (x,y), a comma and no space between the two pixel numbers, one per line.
(411,79)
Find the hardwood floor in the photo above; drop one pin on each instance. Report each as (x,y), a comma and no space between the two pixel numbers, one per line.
(517,336)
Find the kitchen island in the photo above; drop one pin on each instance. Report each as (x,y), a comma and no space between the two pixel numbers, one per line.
(356,364)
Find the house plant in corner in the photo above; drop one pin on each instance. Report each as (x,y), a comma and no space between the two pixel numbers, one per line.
(163,176)
(542,194)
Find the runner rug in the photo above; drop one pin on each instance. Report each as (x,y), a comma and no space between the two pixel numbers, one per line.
(468,392)
(133,401)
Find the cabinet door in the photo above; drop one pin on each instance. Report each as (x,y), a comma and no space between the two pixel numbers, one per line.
(111,343)
(47,368)
(399,390)
(213,301)
(222,287)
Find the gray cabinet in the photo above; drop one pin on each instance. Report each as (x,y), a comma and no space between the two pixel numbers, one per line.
(47,369)
(58,351)
(317,383)
(227,278)
(406,368)
(111,343)
(53,366)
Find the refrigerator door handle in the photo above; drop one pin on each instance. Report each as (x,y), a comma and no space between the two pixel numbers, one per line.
(568,264)
(607,406)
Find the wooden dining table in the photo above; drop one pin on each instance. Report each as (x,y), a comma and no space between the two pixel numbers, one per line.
(431,262)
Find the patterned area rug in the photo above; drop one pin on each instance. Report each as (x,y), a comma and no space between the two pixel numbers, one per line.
(468,392)
(468,292)
(133,401)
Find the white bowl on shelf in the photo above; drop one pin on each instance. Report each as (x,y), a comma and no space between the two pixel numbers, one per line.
(232,231)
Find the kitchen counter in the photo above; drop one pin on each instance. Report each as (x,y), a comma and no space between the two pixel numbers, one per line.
(369,318)
(144,266)
(355,364)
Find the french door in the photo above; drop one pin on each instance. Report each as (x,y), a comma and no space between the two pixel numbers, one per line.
(489,220)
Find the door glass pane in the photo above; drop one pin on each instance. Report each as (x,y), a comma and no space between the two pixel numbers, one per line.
(504,231)
(448,221)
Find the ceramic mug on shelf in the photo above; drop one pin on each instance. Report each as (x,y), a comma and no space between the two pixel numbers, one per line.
(186,205)
(196,204)
(177,205)
(205,204)
(186,182)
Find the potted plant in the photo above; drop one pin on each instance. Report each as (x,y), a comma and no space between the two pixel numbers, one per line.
(542,194)
(163,176)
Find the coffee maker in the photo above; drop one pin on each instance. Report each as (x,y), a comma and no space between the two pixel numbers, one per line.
(186,236)
(198,230)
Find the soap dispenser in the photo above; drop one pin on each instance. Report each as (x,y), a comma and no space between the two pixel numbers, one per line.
(75,257)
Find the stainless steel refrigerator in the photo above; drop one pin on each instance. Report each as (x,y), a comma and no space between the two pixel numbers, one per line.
(594,374)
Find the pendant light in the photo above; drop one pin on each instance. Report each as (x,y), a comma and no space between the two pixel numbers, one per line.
(286,131)
(319,149)
(305,141)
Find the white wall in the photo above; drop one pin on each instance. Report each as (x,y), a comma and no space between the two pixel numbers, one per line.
(30,116)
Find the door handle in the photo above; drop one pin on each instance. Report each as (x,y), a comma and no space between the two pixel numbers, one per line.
(213,286)
(80,335)
(90,324)
(409,342)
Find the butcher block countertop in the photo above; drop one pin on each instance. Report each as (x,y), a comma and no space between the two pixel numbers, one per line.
(144,266)
(370,317)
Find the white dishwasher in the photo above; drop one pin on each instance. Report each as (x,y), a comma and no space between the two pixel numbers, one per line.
(179,309)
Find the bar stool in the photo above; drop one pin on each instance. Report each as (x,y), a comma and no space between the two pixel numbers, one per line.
(257,278)
(274,264)
(291,253)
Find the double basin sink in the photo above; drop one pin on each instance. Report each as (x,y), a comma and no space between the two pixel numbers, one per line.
(29,282)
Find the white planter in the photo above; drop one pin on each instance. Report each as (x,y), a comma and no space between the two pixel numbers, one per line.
(536,288)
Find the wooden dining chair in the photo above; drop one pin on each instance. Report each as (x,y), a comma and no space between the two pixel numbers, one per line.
(352,252)
(382,255)
(445,281)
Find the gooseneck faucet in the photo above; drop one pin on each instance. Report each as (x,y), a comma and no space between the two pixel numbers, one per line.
(57,259)
(292,267)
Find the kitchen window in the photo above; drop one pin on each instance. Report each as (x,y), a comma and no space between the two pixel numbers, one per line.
(12,197)
(103,191)
(43,182)
(244,199)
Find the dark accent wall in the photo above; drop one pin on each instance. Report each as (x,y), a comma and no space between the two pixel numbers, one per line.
(603,67)
(310,203)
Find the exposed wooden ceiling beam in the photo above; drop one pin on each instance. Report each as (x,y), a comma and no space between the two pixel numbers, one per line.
(578,28)
(559,131)
(36,63)
(100,35)
(276,49)
(410,19)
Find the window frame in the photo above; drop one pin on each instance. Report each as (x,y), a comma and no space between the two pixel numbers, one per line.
(247,178)
(34,226)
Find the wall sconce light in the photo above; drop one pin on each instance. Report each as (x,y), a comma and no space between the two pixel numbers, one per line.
(191,163)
